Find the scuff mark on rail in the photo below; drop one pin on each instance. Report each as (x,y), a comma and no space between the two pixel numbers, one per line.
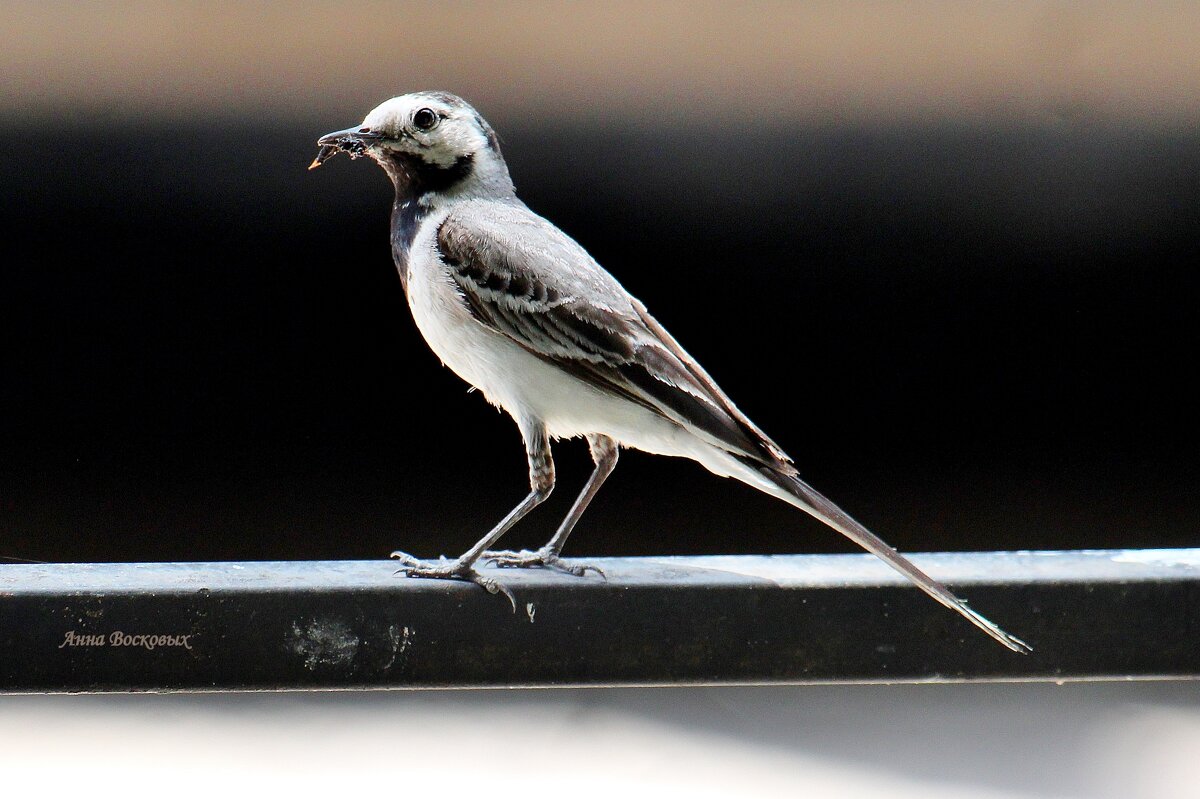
(400,639)
(324,642)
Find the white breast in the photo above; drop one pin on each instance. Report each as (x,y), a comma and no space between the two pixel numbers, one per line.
(526,386)
(485,359)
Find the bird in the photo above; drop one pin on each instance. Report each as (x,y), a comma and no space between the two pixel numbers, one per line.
(520,311)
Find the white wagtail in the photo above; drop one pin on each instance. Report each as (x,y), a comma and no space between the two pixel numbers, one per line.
(520,311)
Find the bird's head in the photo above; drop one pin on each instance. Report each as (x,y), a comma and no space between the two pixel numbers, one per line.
(426,141)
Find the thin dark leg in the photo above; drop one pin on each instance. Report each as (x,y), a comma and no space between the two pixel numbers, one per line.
(541,483)
(604,454)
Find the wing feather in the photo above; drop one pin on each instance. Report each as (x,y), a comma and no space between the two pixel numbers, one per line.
(522,277)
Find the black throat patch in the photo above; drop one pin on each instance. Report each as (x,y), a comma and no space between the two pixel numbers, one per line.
(415,179)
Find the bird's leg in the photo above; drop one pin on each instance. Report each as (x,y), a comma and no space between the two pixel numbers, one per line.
(604,454)
(541,483)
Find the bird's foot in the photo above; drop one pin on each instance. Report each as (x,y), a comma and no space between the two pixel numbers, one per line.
(544,558)
(450,570)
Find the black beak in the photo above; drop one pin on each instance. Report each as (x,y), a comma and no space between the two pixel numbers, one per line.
(353,141)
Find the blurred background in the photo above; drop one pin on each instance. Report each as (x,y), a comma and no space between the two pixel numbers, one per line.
(953,249)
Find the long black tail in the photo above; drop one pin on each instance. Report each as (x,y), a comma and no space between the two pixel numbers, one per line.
(810,500)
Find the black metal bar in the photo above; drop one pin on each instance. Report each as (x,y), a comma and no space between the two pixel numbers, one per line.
(671,620)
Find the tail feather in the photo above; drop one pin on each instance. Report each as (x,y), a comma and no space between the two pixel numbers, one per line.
(811,501)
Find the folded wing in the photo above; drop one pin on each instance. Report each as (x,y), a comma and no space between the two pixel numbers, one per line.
(524,278)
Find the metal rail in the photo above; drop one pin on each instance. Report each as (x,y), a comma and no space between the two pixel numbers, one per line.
(660,621)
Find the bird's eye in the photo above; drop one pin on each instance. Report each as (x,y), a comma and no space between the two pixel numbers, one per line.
(425,119)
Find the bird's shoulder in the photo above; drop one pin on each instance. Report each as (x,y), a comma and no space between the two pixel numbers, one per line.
(506,249)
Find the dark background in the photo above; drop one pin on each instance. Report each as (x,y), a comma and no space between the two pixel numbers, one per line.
(971,333)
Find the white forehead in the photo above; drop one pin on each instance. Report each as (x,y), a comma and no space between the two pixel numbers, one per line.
(398,111)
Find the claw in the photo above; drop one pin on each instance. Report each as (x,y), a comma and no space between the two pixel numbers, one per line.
(493,587)
(575,569)
(408,560)
(584,568)
(451,570)
(542,559)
